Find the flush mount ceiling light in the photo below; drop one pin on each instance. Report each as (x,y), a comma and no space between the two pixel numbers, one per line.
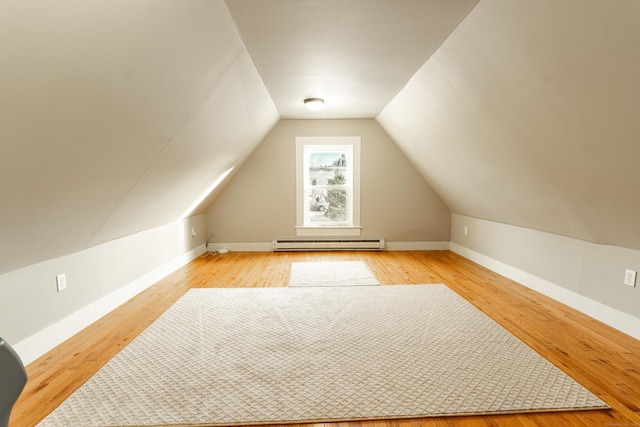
(314,104)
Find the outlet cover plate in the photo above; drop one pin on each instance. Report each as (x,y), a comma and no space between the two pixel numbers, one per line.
(61,282)
(630,278)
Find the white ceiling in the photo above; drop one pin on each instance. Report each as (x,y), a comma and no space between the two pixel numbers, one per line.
(528,115)
(355,54)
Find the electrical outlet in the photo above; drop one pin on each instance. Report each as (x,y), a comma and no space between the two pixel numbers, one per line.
(61,282)
(466,231)
(193,232)
(630,278)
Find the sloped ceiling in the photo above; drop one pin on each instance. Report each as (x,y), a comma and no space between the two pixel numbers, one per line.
(355,54)
(528,115)
(115,117)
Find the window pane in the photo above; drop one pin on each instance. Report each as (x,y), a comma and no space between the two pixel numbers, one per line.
(328,168)
(327,207)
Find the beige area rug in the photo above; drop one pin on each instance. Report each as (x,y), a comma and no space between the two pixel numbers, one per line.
(331,273)
(284,355)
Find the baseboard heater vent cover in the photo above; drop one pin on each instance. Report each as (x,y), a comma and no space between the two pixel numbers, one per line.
(328,244)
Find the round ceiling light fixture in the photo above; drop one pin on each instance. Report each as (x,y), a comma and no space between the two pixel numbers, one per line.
(314,104)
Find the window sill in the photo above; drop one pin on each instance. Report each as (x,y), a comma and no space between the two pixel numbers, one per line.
(328,231)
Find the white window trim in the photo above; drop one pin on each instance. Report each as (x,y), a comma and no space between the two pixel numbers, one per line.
(301,229)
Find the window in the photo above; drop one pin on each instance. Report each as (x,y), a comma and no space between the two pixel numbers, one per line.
(328,186)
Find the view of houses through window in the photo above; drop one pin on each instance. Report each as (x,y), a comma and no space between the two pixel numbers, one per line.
(328,184)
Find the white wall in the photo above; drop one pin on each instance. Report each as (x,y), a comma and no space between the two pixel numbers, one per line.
(396,203)
(34,317)
(584,275)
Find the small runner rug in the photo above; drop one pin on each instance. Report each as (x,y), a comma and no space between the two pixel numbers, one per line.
(294,355)
(331,273)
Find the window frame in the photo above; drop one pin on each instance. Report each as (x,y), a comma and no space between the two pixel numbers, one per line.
(331,142)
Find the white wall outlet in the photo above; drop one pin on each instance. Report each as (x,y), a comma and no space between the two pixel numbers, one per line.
(193,232)
(61,282)
(466,231)
(630,277)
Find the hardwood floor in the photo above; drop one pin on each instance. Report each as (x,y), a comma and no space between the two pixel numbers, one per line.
(605,361)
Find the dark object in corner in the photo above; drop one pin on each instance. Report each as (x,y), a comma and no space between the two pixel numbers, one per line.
(13,378)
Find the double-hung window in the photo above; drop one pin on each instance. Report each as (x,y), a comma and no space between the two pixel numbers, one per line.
(328,186)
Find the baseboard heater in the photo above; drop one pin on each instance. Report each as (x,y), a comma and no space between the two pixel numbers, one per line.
(328,244)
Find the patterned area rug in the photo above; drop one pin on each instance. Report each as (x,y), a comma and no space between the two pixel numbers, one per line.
(289,355)
(331,273)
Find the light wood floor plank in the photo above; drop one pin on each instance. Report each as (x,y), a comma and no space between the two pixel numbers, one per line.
(602,359)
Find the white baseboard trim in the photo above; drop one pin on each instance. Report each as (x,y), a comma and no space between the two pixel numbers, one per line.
(417,246)
(389,246)
(45,340)
(242,247)
(619,320)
